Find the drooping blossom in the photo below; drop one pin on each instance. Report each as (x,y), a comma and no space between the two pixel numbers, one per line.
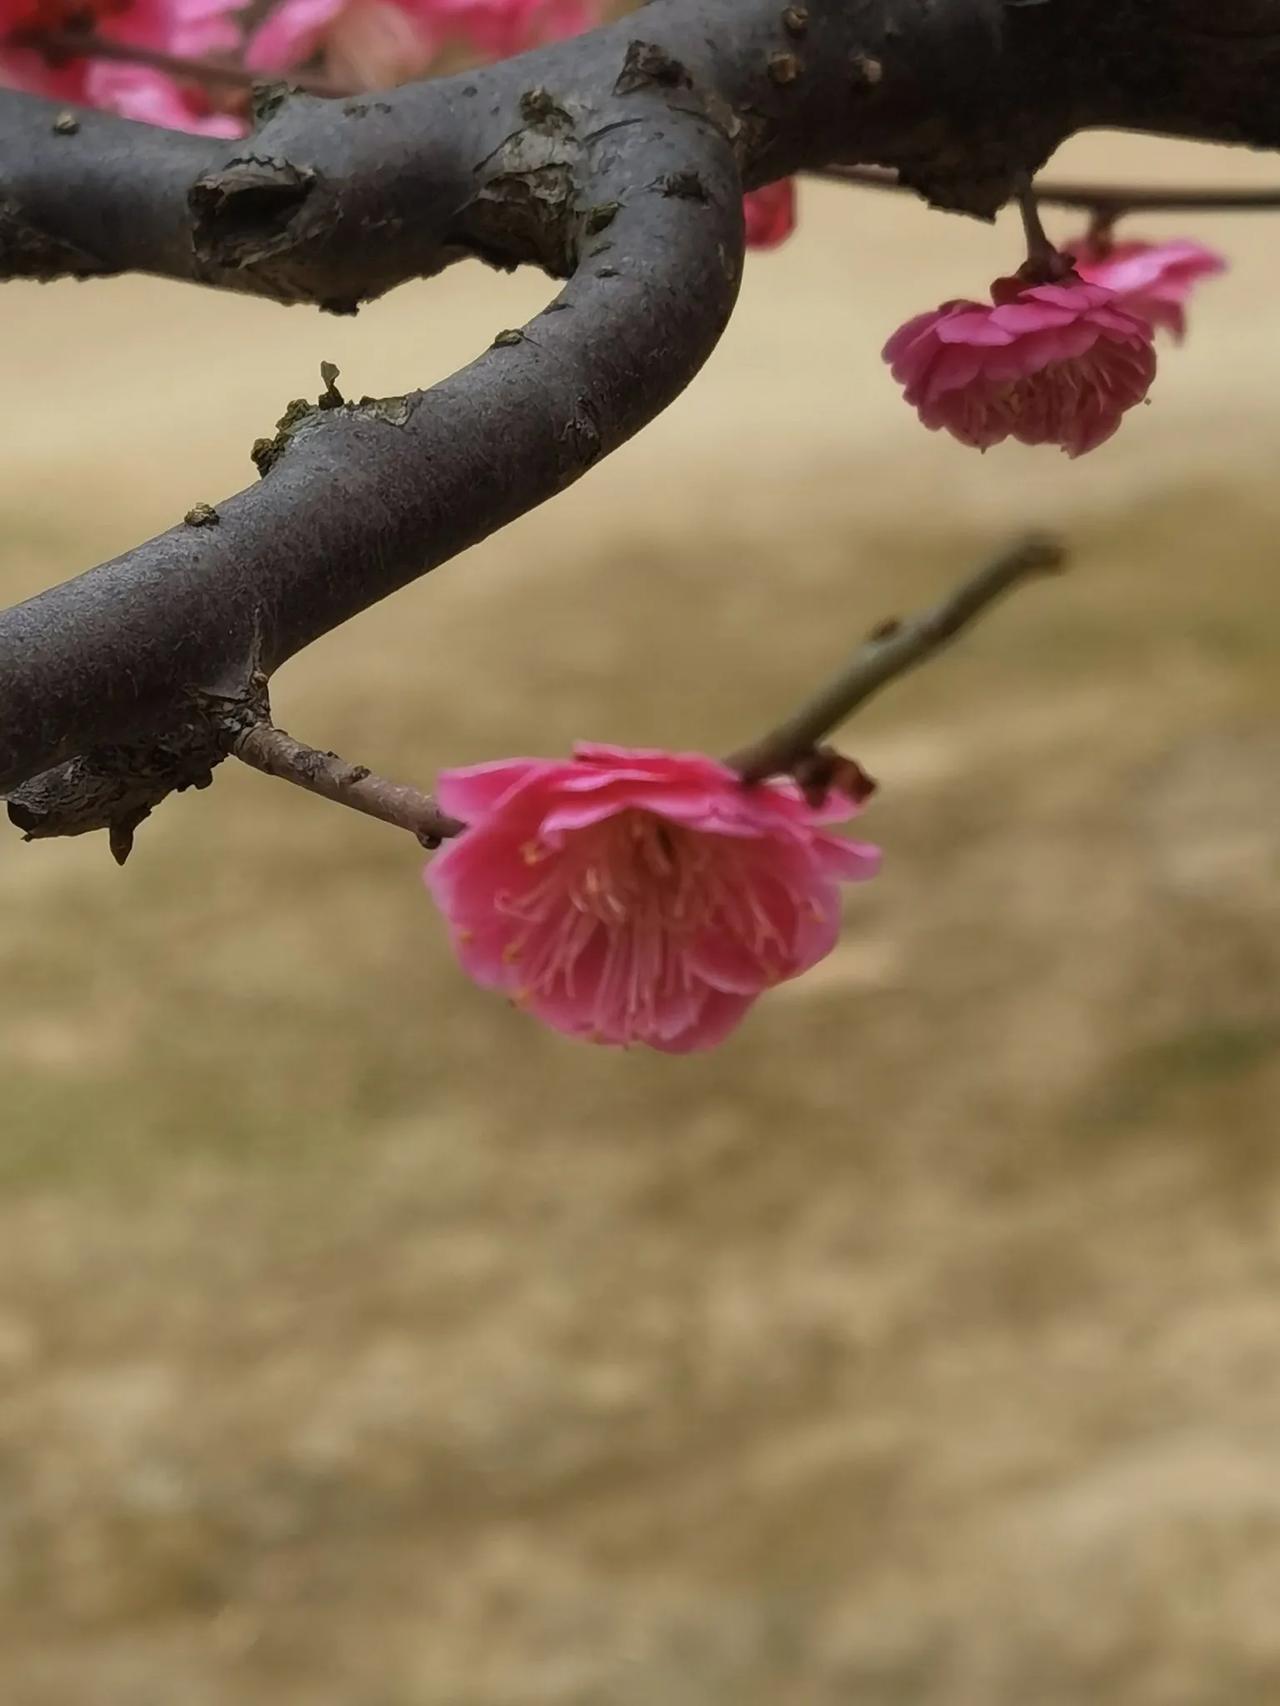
(188,29)
(1150,279)
(1055,363)
(639,897)
(770,214)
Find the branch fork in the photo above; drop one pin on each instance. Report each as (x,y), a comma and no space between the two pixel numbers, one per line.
(795,747)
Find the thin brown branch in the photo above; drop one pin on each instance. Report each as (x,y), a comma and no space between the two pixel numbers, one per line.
(894,648)
(269,749)
(63,45)
(1113,199)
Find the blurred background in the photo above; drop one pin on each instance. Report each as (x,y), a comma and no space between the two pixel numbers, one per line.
(362,1344)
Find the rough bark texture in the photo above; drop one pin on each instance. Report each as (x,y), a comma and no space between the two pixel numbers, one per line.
(614,161)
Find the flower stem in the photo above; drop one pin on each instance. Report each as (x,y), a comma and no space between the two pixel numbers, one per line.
(1044,262)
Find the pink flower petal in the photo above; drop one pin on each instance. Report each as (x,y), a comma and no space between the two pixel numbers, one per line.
(719,1015)
(651,905)
(474,792)
(1151,280)
(149,97)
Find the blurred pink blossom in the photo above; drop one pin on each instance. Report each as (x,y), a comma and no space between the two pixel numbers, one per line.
(770,214)
(1150,279)
(631,896)
(362,44)
(1045,364)
(500,28)
(375,44)
(189,29)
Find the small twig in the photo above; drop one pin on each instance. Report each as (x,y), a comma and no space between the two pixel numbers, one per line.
(269,749)
(892,649)
(1112,199)
(59,46)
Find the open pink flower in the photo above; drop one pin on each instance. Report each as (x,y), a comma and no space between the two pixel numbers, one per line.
(628,896)
(1045,364)
(770,214)
(1153,280)
(189,29)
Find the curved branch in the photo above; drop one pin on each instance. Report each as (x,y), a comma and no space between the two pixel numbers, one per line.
(335,201)
(616,159)
(358,498)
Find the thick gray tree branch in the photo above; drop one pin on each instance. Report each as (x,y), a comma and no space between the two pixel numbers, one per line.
(334,202)
(357,499)
(615,161)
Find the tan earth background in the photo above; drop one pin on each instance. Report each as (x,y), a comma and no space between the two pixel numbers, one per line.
(362,1344)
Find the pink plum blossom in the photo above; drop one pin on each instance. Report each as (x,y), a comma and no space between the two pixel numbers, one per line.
(189,29)
(1153,280)
(362,44)
(497,29)
(630,896)
(1051,363)
(770,214)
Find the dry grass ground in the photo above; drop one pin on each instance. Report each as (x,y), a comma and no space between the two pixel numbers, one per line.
(361,1345)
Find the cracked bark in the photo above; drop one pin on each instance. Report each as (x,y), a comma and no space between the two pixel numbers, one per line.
(615,161)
